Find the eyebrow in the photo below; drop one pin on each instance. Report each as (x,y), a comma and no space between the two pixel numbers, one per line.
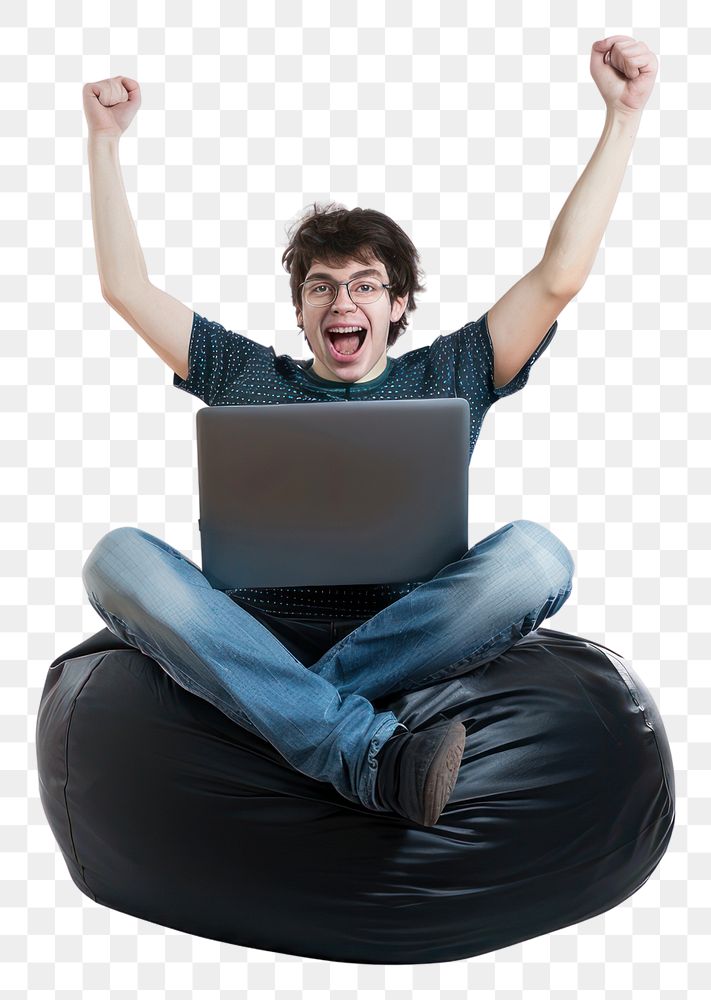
(356,274)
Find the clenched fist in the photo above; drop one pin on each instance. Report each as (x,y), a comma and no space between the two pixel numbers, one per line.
(110,105)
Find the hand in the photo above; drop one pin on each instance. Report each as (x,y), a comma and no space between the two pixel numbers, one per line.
(111,105)
(624,71)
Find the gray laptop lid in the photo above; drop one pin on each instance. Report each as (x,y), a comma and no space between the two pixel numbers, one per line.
(308,494)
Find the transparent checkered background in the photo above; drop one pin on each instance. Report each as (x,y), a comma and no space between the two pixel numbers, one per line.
(470,128)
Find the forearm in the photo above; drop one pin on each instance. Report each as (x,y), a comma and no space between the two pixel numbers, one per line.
(577,233)
(119,256)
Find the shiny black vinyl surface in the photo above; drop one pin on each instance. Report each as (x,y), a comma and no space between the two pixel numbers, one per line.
(165,809)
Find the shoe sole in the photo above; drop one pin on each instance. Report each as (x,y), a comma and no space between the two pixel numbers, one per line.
(443,772)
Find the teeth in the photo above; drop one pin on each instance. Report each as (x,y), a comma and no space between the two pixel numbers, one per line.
(345,329)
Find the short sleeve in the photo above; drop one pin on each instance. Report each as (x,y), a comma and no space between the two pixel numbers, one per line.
(217,360)
(465,359)
(521,377)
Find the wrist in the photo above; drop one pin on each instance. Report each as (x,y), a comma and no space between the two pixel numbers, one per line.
(622,124)
(616,113)
(103,139)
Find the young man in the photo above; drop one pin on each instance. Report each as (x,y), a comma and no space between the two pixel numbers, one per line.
(354,275)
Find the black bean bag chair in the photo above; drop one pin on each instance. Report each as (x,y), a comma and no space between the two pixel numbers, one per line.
(165,809)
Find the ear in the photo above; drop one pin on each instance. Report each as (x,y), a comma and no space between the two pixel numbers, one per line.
(398,308)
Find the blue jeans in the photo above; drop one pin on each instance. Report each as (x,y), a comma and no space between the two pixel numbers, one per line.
(319,716)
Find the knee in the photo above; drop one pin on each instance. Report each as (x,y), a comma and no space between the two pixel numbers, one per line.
(551,550)
(100,566)
(115,541)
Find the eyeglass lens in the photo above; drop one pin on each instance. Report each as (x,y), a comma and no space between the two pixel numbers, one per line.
(361,290)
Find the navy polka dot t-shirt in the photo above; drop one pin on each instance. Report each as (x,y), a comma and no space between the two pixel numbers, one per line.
(229,369)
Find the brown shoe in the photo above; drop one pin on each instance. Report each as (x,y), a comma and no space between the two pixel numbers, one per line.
(418,771)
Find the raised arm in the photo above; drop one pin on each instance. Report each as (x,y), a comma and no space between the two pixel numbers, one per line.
(624,71)
(161,320)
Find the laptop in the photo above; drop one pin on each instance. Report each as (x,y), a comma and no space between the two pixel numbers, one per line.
(334,493)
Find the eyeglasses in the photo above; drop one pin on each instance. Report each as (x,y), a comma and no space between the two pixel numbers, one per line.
(323,293)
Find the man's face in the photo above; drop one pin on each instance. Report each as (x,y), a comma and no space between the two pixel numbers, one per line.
(371,359)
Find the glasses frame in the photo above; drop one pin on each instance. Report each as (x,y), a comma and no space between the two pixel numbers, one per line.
(348,289)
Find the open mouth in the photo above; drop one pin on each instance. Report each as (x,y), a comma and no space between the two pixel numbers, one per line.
(347,342)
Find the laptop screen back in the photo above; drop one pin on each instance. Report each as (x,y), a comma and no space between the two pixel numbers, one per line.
(316,494)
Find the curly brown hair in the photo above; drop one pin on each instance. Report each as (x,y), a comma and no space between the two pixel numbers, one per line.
(334,234)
